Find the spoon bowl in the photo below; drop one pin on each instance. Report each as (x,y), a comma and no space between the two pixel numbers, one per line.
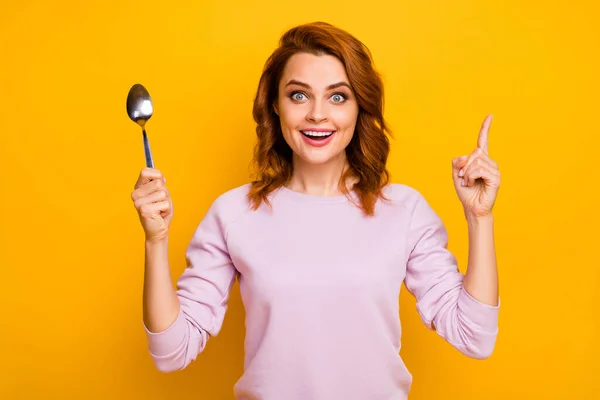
(139,110)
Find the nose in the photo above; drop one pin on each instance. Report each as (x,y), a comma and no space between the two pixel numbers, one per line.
(317,112)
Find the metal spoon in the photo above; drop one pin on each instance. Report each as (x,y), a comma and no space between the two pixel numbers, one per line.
(139,109)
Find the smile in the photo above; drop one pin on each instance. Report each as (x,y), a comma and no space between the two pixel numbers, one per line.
(318,138)
(317,135)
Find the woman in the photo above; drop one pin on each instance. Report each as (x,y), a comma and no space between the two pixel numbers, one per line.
(321,241)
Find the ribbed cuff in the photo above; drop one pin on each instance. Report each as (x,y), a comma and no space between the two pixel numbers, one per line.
(484,316)
(170,340)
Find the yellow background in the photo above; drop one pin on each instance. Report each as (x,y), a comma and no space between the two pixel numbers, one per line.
(71,249)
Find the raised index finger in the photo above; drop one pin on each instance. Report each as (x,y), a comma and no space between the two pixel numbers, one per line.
(482,140)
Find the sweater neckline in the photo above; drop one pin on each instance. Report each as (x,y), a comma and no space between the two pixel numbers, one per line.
(309,198)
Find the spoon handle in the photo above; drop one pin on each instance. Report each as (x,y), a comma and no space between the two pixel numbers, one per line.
(148,153)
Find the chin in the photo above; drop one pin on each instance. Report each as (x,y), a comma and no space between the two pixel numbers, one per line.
(319,158)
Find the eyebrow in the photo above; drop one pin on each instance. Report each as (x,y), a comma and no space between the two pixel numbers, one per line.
(332,86)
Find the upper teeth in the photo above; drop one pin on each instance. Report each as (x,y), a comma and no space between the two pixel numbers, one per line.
(313,133)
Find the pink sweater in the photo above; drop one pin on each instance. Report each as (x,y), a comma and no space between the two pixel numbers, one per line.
(320,285)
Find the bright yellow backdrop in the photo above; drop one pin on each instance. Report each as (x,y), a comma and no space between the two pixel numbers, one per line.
(71,249)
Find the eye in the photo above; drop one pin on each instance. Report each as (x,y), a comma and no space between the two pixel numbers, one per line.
(298,96)
(338,97)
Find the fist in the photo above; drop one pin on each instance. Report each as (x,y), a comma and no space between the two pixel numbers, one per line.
(153,203)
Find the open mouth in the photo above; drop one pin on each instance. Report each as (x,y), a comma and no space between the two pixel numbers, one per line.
(317,135)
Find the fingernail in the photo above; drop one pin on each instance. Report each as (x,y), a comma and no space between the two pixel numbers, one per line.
(461,172)
(462,183)
(463,157)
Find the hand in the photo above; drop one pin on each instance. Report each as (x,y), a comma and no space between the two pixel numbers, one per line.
(476,177)
(153,203)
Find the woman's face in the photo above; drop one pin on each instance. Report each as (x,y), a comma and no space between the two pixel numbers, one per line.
(317,108)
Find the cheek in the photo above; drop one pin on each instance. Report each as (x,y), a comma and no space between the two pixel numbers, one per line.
(345,119)
(290,119)
(291,116)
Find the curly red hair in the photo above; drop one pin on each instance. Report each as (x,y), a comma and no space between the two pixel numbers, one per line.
(368,150)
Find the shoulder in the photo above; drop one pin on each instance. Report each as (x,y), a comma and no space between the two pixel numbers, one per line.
(423,218)
(227,207)
(224,209)
(231,203)
(414,202)
(235,196)
(402,195)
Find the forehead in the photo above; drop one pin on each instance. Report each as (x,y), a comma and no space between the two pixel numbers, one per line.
(317,71)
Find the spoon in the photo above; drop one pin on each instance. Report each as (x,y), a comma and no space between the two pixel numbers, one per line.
(139,109)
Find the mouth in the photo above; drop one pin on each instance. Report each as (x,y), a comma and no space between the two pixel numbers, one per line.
(317,135)
(319,138)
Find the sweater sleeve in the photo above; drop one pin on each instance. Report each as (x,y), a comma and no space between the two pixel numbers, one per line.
(442,302)
(203,290)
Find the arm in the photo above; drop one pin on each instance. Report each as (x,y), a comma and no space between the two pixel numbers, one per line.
(481,279)
(160,302)
(443,303)
(178,323)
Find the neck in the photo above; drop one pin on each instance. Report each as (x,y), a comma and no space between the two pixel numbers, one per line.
(320,179)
